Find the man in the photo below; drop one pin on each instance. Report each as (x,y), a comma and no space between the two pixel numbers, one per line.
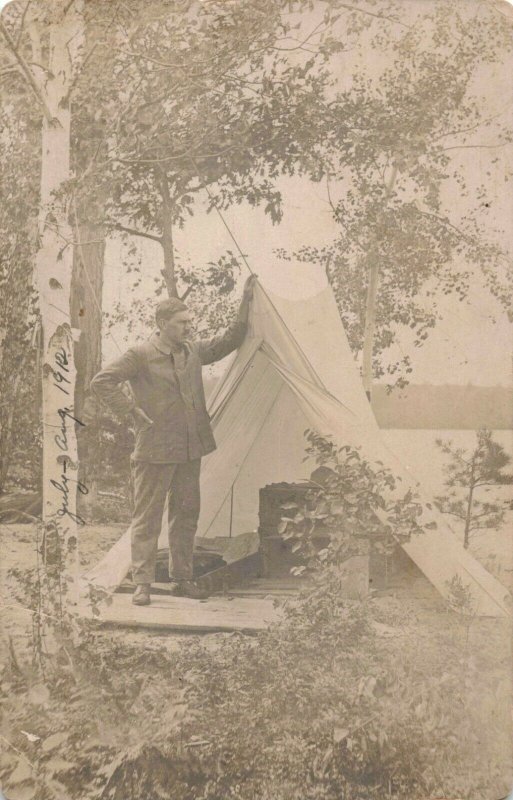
(172,434)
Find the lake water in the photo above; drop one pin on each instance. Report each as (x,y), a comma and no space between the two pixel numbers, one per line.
(417,449)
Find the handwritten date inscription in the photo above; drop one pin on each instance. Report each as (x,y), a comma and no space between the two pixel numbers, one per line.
(64,482)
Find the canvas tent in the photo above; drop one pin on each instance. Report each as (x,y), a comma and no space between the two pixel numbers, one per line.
(294,371)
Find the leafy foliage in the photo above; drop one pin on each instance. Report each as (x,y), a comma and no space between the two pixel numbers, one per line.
(208,289)
(19,412)
(347,508)
(206,96)
(387,158)
(338,699)
(335,701)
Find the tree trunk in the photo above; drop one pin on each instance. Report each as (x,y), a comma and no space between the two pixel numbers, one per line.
(370,325)
(54,264)
(370,306)
(86,300)
(468,516)
(168,273)
(86,315)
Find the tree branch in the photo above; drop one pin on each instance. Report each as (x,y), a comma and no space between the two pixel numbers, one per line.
(478,124)
(476,146)
(9,70)
(486,513)
(135,232)
(186,294)
(22,23)
(85,60)
(461,233)
(371,14)
(27,72)
(453,514)
(178,157)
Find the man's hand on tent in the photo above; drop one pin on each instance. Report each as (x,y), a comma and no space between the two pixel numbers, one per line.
(247,294)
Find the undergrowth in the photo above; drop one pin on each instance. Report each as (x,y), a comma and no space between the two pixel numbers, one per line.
(340,700)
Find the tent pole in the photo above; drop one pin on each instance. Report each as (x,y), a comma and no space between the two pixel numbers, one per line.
(231,510)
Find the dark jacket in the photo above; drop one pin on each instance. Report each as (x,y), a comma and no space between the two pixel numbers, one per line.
(173,399)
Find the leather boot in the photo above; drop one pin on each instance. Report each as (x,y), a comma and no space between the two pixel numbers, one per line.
(188,589)
(141,596)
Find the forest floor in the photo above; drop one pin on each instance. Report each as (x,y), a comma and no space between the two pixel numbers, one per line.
(414,619)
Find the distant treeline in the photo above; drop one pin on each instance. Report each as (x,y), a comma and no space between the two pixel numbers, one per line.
(435,407)
(446,406)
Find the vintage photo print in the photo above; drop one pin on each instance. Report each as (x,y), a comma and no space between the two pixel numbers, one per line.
(256,399)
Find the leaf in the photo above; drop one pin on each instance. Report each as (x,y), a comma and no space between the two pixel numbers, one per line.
(39,695)
(339,734)
(56,765)
(31,736)
(382,738)
(420,709)
(26,792)
(22,773)
(53,741)
(385,630)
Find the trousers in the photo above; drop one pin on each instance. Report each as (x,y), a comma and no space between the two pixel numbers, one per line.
(153,484)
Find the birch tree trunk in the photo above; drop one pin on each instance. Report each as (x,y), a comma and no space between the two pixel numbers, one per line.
(54,263)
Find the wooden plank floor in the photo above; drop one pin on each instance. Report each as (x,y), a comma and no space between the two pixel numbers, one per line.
(183,614)
(268,587)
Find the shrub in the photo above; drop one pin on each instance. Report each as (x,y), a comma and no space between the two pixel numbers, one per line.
(347,507)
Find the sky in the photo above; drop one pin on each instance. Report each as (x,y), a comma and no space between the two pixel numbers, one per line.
(472,342)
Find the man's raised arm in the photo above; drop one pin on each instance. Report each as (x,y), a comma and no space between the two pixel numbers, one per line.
(215,349)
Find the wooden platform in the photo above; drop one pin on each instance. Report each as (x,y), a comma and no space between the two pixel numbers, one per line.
(282,588)
(168,613)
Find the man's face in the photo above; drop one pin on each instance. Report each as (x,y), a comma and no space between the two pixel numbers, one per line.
(176,330)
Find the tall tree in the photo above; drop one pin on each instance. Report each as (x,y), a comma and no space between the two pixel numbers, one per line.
(390,141)
(216,94)
(54,52)
(468,475)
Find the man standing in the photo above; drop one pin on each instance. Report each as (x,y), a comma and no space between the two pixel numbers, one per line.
(172,434)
